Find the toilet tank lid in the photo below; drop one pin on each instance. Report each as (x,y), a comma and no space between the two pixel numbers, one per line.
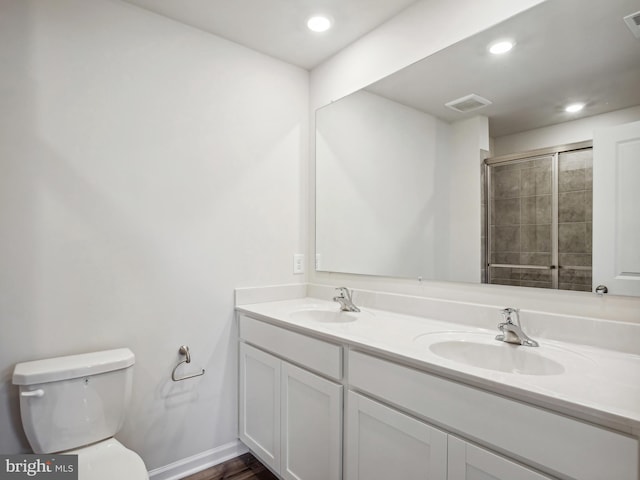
(72,366)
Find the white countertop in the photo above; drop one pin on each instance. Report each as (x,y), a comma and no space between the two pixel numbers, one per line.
(597,385)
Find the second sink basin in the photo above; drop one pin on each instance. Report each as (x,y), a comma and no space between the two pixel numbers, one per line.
(481,350)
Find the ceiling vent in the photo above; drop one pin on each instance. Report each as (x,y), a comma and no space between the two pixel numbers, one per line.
(633,22)
(468,104)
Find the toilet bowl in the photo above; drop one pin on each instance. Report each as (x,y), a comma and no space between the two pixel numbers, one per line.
(75,405)
(109,460)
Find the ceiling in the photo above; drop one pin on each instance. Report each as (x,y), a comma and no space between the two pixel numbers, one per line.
(564,53)
(278,27)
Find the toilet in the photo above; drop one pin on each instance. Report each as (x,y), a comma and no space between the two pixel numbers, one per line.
(75,405)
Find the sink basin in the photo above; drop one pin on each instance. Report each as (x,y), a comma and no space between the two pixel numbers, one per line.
(481,350)
(322,315)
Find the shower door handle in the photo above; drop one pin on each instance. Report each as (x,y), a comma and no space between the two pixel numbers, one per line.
(513,265)
(601,290)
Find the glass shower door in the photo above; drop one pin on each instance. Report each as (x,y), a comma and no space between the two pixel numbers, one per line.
(538,228)
(521,222)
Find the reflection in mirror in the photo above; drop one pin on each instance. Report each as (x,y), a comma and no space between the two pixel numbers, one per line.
(540,219)
(379,188)
(398,176)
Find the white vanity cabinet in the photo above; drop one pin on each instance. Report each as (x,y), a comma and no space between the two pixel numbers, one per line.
(384,443)
(290,417)
(402,421)
(547,441)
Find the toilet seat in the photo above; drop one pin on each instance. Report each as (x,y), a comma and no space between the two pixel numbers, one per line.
(109,460)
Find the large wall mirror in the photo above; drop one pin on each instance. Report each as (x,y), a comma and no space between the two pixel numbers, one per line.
(400,174)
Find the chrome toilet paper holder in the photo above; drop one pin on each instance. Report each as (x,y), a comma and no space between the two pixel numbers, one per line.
(184,350)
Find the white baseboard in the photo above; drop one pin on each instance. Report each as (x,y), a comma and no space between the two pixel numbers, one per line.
(201,461)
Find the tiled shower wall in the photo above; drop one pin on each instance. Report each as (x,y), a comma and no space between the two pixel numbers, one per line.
(521,196)
(575,195)
(521,222)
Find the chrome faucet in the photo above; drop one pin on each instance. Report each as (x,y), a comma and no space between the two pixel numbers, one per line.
(512,332)
(344,299)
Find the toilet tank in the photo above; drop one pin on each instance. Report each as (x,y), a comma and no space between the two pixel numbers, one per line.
(72,401)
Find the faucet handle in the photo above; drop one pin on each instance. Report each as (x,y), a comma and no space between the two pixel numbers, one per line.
(344,292)
(507,313)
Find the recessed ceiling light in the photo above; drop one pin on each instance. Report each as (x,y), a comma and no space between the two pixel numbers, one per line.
(501,47)
(319,23)
(574,107)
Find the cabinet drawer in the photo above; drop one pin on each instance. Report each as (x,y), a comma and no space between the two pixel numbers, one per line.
(317,355)
(545,440)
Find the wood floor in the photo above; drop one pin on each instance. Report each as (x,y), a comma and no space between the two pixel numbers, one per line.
(244,467)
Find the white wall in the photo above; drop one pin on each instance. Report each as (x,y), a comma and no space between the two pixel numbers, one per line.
(147,169)
(383,173)
(422,29)
(463,262)
(563,133)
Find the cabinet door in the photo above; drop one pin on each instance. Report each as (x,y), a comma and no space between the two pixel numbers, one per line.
(468,462)
(311,426)
(383,443)
(259,408)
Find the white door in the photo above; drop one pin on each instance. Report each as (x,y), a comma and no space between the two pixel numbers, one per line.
(616,208)
(311,426)
(259,398)
(384,444)
(468,462)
